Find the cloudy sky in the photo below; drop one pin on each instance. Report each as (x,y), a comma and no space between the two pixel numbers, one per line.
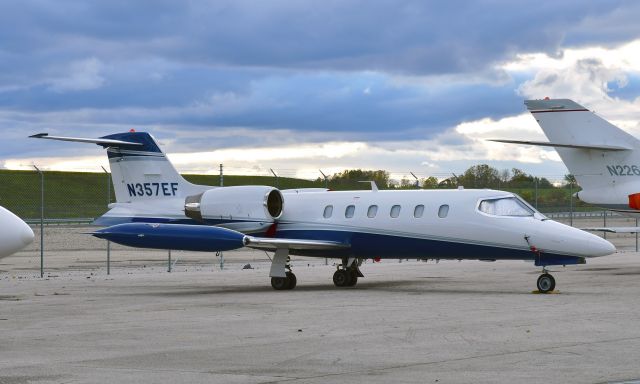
(302,85)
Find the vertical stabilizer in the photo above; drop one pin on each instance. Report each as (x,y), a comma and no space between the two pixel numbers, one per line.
(143,171)
(567,122)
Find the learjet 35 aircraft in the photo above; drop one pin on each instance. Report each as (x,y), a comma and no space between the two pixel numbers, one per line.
(156,208)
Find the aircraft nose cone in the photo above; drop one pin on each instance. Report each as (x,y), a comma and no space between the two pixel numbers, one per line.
(26,235)
(600,247)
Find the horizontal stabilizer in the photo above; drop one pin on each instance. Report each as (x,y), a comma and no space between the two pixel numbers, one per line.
(613,229)
(275,243)
(103,142)
(560,145)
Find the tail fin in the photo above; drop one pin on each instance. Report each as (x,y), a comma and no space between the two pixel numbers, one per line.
(143,171)
(139,168)
(602,154)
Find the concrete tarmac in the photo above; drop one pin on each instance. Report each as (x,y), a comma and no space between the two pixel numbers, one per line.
(409,322)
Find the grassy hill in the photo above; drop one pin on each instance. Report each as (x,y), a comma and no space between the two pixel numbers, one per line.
(86,195)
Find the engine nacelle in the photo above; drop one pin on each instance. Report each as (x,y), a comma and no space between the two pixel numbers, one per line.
(236,203)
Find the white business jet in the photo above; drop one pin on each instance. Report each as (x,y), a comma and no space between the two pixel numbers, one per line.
(157,208)
(604,159)
(15,234)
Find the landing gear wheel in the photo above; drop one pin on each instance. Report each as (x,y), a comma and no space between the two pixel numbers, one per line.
(342,278)
(354,277)
(292,280)
(279,283)
(546,283)
(282,283)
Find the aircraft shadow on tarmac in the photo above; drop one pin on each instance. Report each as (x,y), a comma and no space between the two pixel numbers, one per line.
(396,286)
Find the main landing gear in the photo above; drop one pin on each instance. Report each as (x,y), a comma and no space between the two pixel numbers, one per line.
(546,282)
(347,273)
(281,276)
(282,283)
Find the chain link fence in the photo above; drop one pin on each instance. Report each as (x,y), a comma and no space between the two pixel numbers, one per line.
(69,202)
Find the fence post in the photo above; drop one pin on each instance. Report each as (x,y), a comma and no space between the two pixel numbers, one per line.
(41,220)
(276,176)
(636,235)
(169,263)
(605,223)
(108,257)
(536,193)
(221,176)
(571,204)
(108,185)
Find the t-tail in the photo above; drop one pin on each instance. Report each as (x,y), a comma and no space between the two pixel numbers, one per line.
(139,169)
(147,186)
(143,171)
(604,159)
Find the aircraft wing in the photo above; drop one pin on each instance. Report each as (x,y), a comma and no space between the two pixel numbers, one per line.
(109,142)
(561,145)
(613,229)
(268,243)
(202,238)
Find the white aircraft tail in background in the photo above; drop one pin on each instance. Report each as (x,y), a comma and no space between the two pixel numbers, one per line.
(604,159)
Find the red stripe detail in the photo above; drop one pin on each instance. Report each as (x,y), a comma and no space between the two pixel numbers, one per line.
(271,232)
(634,201)
(561,110)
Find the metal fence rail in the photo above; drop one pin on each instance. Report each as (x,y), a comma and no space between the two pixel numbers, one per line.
(61,206)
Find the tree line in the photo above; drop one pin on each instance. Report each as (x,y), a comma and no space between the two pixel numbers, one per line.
(477,176)
(536,190)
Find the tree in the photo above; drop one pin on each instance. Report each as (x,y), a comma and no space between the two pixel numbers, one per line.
(480,176)
(430,183)
(570,179)
(350,176)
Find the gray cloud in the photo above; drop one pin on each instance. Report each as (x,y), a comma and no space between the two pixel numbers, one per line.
(318,70)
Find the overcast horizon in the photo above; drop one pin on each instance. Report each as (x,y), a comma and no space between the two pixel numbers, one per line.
(297,86)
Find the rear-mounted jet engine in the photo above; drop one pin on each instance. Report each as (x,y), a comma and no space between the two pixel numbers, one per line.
(241,204)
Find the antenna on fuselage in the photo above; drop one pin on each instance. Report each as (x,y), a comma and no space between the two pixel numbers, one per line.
(374,187)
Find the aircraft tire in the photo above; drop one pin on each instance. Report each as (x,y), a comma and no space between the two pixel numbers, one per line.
(354,277)
(280,283)
(546,283)
(292,280)
(342,278)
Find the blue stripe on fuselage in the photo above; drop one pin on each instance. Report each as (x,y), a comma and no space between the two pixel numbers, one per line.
(371,245)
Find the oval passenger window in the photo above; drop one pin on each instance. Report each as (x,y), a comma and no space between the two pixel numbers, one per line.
(443,211)
(348,213)
(372,211)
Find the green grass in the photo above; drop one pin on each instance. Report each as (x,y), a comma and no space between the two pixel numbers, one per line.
(84,195)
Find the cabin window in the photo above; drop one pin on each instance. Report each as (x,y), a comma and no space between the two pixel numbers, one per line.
(395,211)
(348,213)
(418,211)
(328,211)
(508,206)
(443,211)
(372,211)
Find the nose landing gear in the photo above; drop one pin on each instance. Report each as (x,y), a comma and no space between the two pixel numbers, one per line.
(546,282)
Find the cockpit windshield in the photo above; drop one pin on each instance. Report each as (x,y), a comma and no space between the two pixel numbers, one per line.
(505,206)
